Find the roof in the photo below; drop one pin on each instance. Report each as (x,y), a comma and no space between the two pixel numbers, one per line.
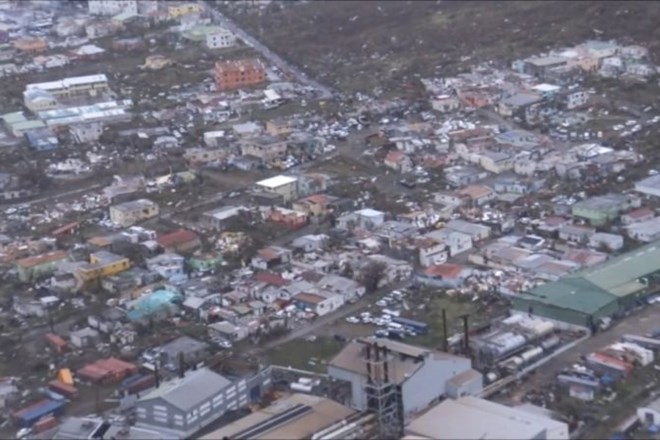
(324,413)
(521,99)
(177,237)
(649,182)
(42,259)
(445,271)
(471,417)
(272,279)
(188,392)
(475,191)
(640,213)
(68,82)
(277,181)
(134,205)
(574,293)
(309,298)
(368,212)
(465,377)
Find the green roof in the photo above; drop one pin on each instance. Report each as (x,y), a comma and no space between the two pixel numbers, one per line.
(27,125)
(619,275)
(12,118)
(198,33)
(572,293)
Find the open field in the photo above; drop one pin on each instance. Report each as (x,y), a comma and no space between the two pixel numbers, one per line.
(359,45)
(307,355)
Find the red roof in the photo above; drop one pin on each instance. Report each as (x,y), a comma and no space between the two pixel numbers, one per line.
(56,340)
(640,213)
(445,271)
(272,279)
(182,236)
(394,156)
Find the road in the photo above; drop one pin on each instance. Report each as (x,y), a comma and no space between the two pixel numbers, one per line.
(55,198)
(273,58)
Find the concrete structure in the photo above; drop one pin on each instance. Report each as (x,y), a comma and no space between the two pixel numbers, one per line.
(285,186)
(40,265)
(602,209)
(129,213)
(217,218)
(220,39)
(267,148)
(74,87)
(585,297)
(112,7)
(102,264)
(308,415)
(420,374)
(185,405)
(473,418)
(232,75)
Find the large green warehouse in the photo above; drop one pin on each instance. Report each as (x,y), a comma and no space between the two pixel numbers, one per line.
(598,292)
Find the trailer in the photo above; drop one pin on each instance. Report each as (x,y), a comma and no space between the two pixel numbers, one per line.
(30,415)
(642,341)
(142,384)
(417,326)
(67,391)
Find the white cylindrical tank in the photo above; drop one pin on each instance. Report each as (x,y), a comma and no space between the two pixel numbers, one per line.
(301,387)
(531,354)
(550,343)
(543,328)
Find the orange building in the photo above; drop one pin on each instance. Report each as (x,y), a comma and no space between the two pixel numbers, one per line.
(232,75)
(31,45)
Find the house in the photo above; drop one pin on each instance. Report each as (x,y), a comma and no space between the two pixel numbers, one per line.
(478,195)
(649,186)
(349,289)
(232,75)
(169,266)
(220,39)
(459,176)
(637,216)
(42,139)
(285,186)
(129,213)
(179,241)
(287,217)
(38,266)
(86,132)
(229,330)
(646,231)
(205,262)
(83,338)
(611,242)
(320,303)
(365,219)
(540,66)
(184,348)
(219,218)
(445,103)
(246,129)
(517,105)
(267,148)
(576,99)
(176,11)
(30,45)
(600,210)
(444,275)
(316,205)
(112,7)
(398,161)
(431,251)
(576,234)
(278,127)
(73,87)
(476,231)
(457,242)
(102,264)
(271,256)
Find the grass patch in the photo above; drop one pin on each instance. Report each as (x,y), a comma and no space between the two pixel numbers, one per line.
(305,355)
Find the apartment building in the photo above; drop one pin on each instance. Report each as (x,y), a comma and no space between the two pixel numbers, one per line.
(50,92)
(112,7)
(232,75)
(129,213)
(220,39)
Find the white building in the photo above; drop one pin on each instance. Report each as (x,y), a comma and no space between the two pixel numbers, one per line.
(220,39)
(421,374)
(286,186)
(86,132)
(646,231)
(649,186)
(472,417)
(650,414)
(112,7)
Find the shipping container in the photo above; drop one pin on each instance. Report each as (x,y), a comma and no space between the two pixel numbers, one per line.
(27,417)
(141,385)
(44,424)
(68,391)
(129,380)
(531,354)
(650,343)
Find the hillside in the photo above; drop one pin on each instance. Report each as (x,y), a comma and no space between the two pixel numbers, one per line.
(357,45)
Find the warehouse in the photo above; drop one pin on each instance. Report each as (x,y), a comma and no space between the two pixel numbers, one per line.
(588,296)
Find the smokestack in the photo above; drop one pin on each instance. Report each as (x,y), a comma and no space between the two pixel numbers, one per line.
(386,374)
(378,373)
(368,354)
(157,375)
(182,365)
(467,335)
(445,341)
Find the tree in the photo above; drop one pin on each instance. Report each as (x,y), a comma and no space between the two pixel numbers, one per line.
(372,274)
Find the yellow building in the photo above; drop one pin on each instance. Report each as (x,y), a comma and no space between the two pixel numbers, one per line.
(102,264)
(175,11)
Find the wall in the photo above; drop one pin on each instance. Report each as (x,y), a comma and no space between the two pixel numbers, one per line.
(358,384)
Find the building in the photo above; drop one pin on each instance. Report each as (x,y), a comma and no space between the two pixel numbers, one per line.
(181,240)
(220,39)
(476,231)
(128,213)
(295,417)
(176,11)
(218,218)
(232,75)
(30,45)
(600,210)
(183,406)
(445,103)
(40,265)
(419,375)
(315,205)
(586,297)
(649,414)
(184,348)
(319,303)
(472,417)
(267,148)
(445,275)
(285,186)
(649,186)
(646,231)
(102,264)
(278,127)
(75,87)
(112,7)
(42,139)
(83,133)
(398,161)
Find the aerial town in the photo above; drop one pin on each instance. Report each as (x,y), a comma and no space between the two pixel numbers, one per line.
(198,240)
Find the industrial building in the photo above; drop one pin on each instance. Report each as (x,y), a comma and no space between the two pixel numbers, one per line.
(586,297)
(395,380)
(90,85)
(295,417)
(182,407)
(471,417)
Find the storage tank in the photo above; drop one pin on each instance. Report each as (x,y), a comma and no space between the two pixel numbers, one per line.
(506,343)
(301,387)
(550,343)
(531,354)
(542,328)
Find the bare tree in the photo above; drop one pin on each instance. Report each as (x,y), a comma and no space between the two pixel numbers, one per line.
(372,274)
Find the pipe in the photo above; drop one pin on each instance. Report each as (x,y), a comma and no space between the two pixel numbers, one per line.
(445,336)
